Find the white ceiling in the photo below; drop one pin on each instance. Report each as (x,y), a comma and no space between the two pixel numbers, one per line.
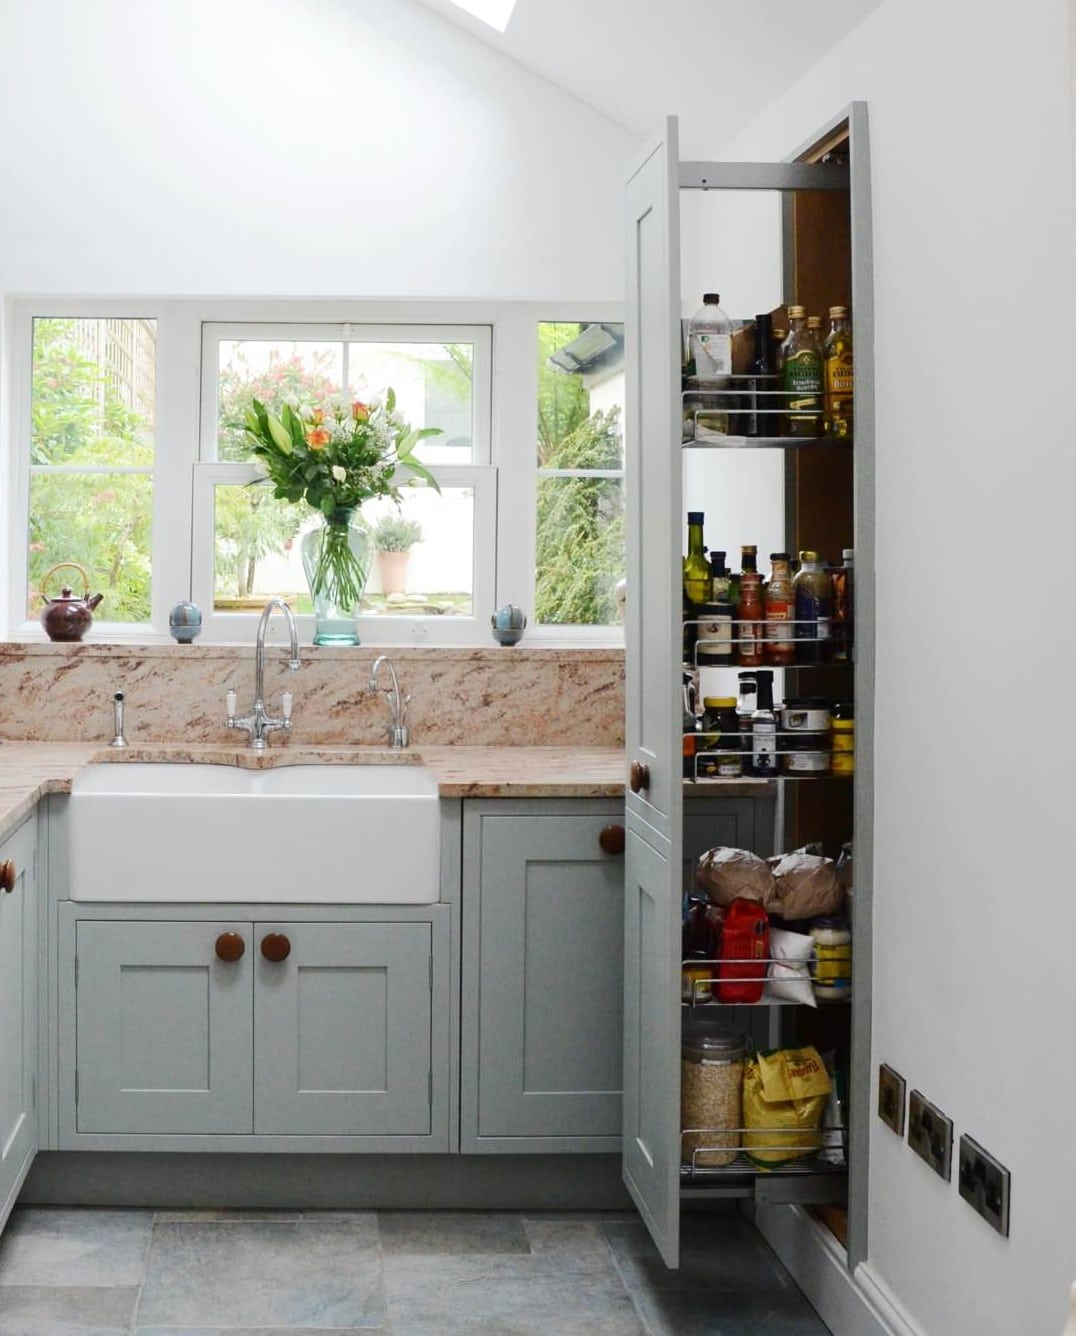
(715,63)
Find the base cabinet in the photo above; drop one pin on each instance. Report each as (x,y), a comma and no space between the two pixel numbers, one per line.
(18,1011)
(188,1033)
(543,926)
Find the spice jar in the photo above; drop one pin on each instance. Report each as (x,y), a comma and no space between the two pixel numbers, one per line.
(696,978)
(831,970)
(711,1092)
(719,754)
(844,740)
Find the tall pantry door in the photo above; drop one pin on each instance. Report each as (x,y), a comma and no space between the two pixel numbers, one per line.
(651,1130)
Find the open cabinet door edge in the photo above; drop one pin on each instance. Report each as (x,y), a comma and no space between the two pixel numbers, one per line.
(651,1132)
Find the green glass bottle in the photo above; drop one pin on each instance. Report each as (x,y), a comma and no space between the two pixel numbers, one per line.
(802,376)
(697,579)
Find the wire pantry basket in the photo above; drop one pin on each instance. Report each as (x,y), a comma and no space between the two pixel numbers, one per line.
(711,1151)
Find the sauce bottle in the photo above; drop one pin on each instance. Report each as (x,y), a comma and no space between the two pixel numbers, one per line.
(764,729)
(749,624)
(780,605)
(813,591)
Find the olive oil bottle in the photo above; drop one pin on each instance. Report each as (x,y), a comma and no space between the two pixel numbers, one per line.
(837,356)
(801,374)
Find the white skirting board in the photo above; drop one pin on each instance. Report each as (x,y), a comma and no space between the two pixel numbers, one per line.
(850,1305)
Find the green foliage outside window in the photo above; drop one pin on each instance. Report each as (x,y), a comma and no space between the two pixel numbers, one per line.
(579,546)
(102,521)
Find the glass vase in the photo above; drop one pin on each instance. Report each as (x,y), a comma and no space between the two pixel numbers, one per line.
(336,560)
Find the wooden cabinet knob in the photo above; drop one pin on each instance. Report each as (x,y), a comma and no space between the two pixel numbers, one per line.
(230,947)
(7,876)
(639,776)
(275,947)
(611,839)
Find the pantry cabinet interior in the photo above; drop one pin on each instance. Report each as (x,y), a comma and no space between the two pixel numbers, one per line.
(825,260)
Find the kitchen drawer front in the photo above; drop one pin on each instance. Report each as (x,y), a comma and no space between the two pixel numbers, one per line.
(543,978)
(343,1030)
(163,1029)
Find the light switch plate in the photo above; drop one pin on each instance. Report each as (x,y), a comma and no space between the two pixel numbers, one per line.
(985,1184)
(930,1134)
(892,1090)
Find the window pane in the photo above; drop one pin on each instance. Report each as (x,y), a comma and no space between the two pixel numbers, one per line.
(104,522)
(258,552)
(579,550)
(271,370)
(433,384)
(580,374)
(93,392)
(437,576)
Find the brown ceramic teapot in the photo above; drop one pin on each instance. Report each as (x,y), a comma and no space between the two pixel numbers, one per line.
(67,617)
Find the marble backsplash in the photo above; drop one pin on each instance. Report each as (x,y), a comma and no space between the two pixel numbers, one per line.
(519,696)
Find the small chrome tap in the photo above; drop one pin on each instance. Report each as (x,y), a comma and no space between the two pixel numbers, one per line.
(259,722)
(397,731)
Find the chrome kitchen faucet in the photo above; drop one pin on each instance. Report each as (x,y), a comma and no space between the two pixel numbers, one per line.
(397,731)
(259,722)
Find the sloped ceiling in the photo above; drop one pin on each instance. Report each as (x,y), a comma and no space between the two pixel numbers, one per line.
(715,63)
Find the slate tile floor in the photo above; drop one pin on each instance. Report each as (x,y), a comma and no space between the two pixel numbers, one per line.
(387,1273)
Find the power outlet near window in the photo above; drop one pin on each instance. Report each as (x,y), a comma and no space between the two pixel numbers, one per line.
(930,1134)
(985,1184)
(892,1090)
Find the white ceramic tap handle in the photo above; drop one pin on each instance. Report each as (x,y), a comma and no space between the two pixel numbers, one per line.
(285,706)
(231,700)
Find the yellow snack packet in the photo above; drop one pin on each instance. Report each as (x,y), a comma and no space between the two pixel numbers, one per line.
(784,1101)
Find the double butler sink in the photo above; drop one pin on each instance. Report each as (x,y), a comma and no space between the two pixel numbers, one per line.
(308,834)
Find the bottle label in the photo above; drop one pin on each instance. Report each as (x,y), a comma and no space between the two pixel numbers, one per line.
(778,624)
(803,380)
(713,355)
(763,746)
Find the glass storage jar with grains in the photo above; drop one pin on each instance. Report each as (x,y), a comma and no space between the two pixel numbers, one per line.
(711,1092)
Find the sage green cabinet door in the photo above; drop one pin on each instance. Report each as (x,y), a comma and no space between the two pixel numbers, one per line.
(163,1028)
(18,1014)
(543,979)
(343,1030)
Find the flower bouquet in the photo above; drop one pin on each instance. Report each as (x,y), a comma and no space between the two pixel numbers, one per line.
(334,458)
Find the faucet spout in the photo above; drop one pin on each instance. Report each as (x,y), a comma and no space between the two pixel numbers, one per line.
(398,733)
(259,722)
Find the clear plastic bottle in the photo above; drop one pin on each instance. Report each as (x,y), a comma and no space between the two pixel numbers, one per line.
(710,335)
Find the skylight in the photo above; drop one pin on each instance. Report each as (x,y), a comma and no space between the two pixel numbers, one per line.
(494,12)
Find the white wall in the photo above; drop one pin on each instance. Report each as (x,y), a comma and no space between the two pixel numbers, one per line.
(975,917)
(307,147)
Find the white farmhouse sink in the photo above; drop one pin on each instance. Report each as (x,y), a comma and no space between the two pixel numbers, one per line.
(308,834)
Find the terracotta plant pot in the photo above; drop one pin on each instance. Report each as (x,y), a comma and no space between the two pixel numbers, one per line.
(392,570)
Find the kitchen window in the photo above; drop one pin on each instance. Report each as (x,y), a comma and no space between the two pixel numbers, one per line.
(122,454)
(92,445)
(246,545)
(579,521)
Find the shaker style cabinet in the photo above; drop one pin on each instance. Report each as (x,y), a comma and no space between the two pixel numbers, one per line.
(821,215)
(18,1010)
(543,927)
(200,1028)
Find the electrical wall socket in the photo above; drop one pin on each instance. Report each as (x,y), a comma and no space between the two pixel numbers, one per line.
(985,1184)
(930,1135)
(891,1098)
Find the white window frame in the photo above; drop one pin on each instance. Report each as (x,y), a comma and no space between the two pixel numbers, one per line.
(504,570)
(374,629)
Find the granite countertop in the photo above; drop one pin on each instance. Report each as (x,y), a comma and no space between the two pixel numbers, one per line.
(29,770)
